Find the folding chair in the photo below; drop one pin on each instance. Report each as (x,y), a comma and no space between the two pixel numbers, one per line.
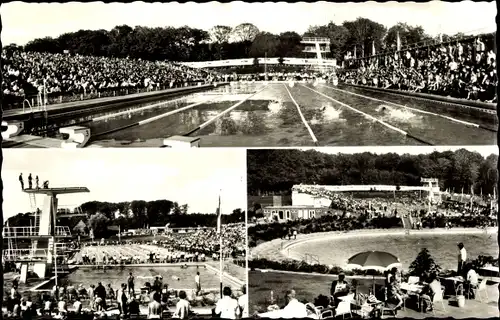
(343,308)
(477,290)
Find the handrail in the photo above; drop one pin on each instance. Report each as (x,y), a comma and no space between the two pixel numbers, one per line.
(29,104)
(20,232)
(315,39)
(24,254)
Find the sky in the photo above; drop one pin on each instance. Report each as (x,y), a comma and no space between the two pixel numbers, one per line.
(192,177)
(23,22)
(485,151)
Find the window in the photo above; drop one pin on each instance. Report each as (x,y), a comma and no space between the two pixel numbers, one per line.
(280,213)
(288,214)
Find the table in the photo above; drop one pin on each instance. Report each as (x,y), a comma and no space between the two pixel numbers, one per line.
(491,269)
(412,290)
(460,281)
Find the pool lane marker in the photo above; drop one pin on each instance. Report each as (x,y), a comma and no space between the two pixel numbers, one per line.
(371,117)
(302,116)
(415,109)
(145,121)
(203,125)
(137,110)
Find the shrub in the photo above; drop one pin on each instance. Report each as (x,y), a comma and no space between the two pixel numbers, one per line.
(424,265)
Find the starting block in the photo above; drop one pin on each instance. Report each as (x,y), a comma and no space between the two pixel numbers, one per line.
(11,129)
(181,142)
(77,137)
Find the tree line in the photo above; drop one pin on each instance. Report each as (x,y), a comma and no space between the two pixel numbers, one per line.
(139,214)
(272,172)
(224,42)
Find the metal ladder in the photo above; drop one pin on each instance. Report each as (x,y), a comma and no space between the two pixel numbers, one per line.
(34,208)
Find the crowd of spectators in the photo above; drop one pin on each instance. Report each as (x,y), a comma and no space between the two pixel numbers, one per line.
(463,69)
(25,73)
(168,248)
(157,301)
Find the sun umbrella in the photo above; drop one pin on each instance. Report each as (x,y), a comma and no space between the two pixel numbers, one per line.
(373,260)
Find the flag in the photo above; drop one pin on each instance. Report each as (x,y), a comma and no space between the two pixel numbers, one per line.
(373,48)
(219,218)
(354,52)
(398,43)
(440,38)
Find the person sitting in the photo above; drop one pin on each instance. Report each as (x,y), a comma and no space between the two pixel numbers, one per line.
(471,282)
(164,296)
(395,294)
(340,288)
(133,306)
(432,288)
(77,306)
(182,309)
(62,306)
(294,308)
(154,308)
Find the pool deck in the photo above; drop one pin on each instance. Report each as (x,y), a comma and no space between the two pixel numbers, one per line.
(85,104)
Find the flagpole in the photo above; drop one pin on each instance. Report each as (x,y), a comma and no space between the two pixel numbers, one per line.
(219,225)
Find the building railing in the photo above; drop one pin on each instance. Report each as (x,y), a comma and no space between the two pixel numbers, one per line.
(315,39)
(314,50)
(26,232)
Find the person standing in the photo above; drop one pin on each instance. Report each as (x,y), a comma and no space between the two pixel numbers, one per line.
(37,182)
(227,307)
(197,283)
(21,181)
(30,181)
(122,300)
(130,281)
(243,302)
(462,257)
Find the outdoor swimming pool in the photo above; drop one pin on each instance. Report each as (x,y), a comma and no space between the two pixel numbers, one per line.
(272,117)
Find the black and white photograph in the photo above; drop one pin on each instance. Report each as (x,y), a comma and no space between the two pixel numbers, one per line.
(373,232)
(248,74)
(108,234)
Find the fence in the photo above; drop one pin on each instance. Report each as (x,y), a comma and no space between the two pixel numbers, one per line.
(35,102)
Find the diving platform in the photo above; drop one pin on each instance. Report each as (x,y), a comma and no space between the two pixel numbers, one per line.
(56,191)
(34,233)
(25,255)
(44,247)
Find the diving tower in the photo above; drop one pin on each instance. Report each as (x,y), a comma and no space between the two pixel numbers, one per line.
(320,47)
(44,248)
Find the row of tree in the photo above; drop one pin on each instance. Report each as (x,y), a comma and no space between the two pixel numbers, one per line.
(276,171)
(106,216)
(224,42)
